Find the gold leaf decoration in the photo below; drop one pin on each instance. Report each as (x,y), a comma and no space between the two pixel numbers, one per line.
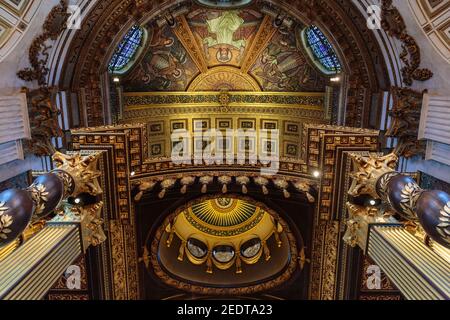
(5,222)
(444,227)
(410,194)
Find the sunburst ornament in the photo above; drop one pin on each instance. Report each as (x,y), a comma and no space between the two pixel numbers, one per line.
(224,216)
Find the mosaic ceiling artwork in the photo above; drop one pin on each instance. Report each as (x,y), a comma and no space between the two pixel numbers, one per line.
(224,35)
(216,50)
(283,65)
(164,66)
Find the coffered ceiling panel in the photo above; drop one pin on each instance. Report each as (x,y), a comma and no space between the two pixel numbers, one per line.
(433,17)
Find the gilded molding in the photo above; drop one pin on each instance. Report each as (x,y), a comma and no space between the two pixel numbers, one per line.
(215,78)
(265,34)
(185,35)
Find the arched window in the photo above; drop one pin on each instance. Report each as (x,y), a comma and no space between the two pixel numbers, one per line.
(127,50)
(321,50)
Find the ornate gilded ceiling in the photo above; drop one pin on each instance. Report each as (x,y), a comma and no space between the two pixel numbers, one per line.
(272,56)
(223,50)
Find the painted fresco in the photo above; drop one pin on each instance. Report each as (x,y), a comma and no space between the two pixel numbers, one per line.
(165,66)
(283,65)
(224,35)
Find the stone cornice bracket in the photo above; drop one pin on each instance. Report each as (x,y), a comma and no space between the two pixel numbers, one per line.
(305,188)
(144,186)
(243,181)
(392,22)
(80,174)
(224,181)
(368,170)
(205,181)
(263,183)
(283,185)
(185,183)
(166,184)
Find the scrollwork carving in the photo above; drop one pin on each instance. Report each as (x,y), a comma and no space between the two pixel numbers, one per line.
(44,125)
(405,114)
(38,54)
(359,219)
(392,22)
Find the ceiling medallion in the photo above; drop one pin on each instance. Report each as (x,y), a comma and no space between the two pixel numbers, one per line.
(224,232)
(224,100)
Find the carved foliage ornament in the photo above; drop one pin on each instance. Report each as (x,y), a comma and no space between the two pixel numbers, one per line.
(38,54)
(405,116)
(40,196)
(43,111)
(409,196)
(44,125)
(5,222)
(393,23)
(444,227)
(83,171)
(358,224)
(368,171)
(92,224)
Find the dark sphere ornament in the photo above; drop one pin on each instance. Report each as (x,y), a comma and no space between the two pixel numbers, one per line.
(16,210)
(433,209)
(47,191)
(401,192)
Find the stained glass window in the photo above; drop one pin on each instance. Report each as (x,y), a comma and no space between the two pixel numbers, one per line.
(322,50)
(127,49)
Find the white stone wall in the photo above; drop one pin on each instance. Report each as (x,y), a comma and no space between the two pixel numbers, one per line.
(439,85)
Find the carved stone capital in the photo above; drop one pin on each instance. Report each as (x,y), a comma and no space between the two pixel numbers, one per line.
(82,170)
(368,170)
